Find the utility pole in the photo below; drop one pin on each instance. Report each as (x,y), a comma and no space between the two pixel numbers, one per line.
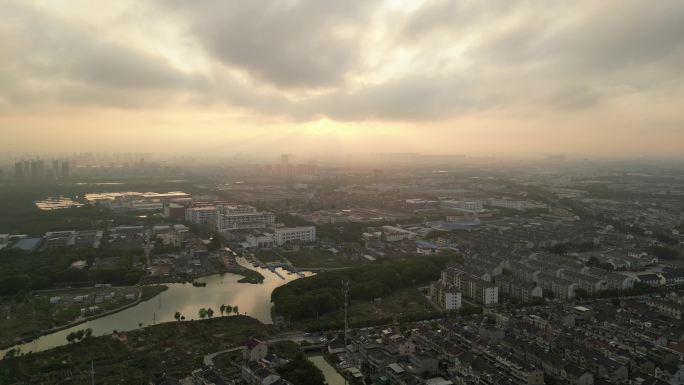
(92,373)
(345,285)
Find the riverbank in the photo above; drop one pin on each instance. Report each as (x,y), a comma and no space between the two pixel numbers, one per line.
(220,289)
(146,293)
(174,348)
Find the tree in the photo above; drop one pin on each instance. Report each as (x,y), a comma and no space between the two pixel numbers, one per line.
(71,337)
(606,266)
(88,333)
(235,310)
(202,313)
(210,312)
(593,261)
(222,309)
(581,293)
(12,353)
(301,371)
(177,316)
(229,309)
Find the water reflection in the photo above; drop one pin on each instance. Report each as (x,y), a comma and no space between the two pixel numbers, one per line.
(330,374)
(253,300)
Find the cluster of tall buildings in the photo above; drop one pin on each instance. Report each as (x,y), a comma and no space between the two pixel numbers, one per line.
(287,169)
(38,169)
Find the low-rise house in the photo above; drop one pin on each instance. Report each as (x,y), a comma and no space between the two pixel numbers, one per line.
(651,279)
(254,373)
(671,309)
(423,362)
(575,375)
(209,376)
(254,350)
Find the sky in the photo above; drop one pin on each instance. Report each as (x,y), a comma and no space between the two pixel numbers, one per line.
(487,78)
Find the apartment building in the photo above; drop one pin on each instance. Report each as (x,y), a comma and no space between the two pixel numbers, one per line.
(471,286)
(446,296)
(201,215)
(303,234)
(518,289)
(560,287)
(255,220)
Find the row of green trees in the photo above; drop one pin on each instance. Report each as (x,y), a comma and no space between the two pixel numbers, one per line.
(315,295)
(209,312)
(23,271)
(81,334)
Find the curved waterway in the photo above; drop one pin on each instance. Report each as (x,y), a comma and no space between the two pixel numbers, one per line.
(329,373)
(251,299)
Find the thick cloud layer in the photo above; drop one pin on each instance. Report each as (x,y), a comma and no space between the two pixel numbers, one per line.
(355,60)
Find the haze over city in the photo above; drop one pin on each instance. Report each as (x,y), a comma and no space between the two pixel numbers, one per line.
(341,192)
(495,78)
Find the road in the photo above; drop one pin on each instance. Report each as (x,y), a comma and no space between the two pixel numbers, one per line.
(294,337)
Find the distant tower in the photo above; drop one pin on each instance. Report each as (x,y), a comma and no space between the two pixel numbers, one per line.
(65,169)
(35,169)
(378,175)
(285,159)
(19,170)
(55,169)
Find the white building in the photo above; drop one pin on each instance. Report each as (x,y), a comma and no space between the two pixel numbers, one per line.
(304,234)
(466,206)
(446,296)
(244,221)
(515,204)
(201,215)
(260,241)
(395,234)
(237,209)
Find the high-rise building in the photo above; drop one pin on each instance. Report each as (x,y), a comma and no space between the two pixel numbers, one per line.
(19,170)
(65,169)
(37,169)
(56,171)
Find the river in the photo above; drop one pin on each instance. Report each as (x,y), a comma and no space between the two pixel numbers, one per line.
(251,299)
(330,374)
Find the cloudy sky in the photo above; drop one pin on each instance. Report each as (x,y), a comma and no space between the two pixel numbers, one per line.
(500,77)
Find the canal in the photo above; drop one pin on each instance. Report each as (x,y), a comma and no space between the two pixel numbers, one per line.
(329,372)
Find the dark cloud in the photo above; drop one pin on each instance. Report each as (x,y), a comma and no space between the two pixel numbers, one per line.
(56,61)
(292,44)
(308,58)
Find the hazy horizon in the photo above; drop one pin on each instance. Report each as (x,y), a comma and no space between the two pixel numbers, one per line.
(322,78)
